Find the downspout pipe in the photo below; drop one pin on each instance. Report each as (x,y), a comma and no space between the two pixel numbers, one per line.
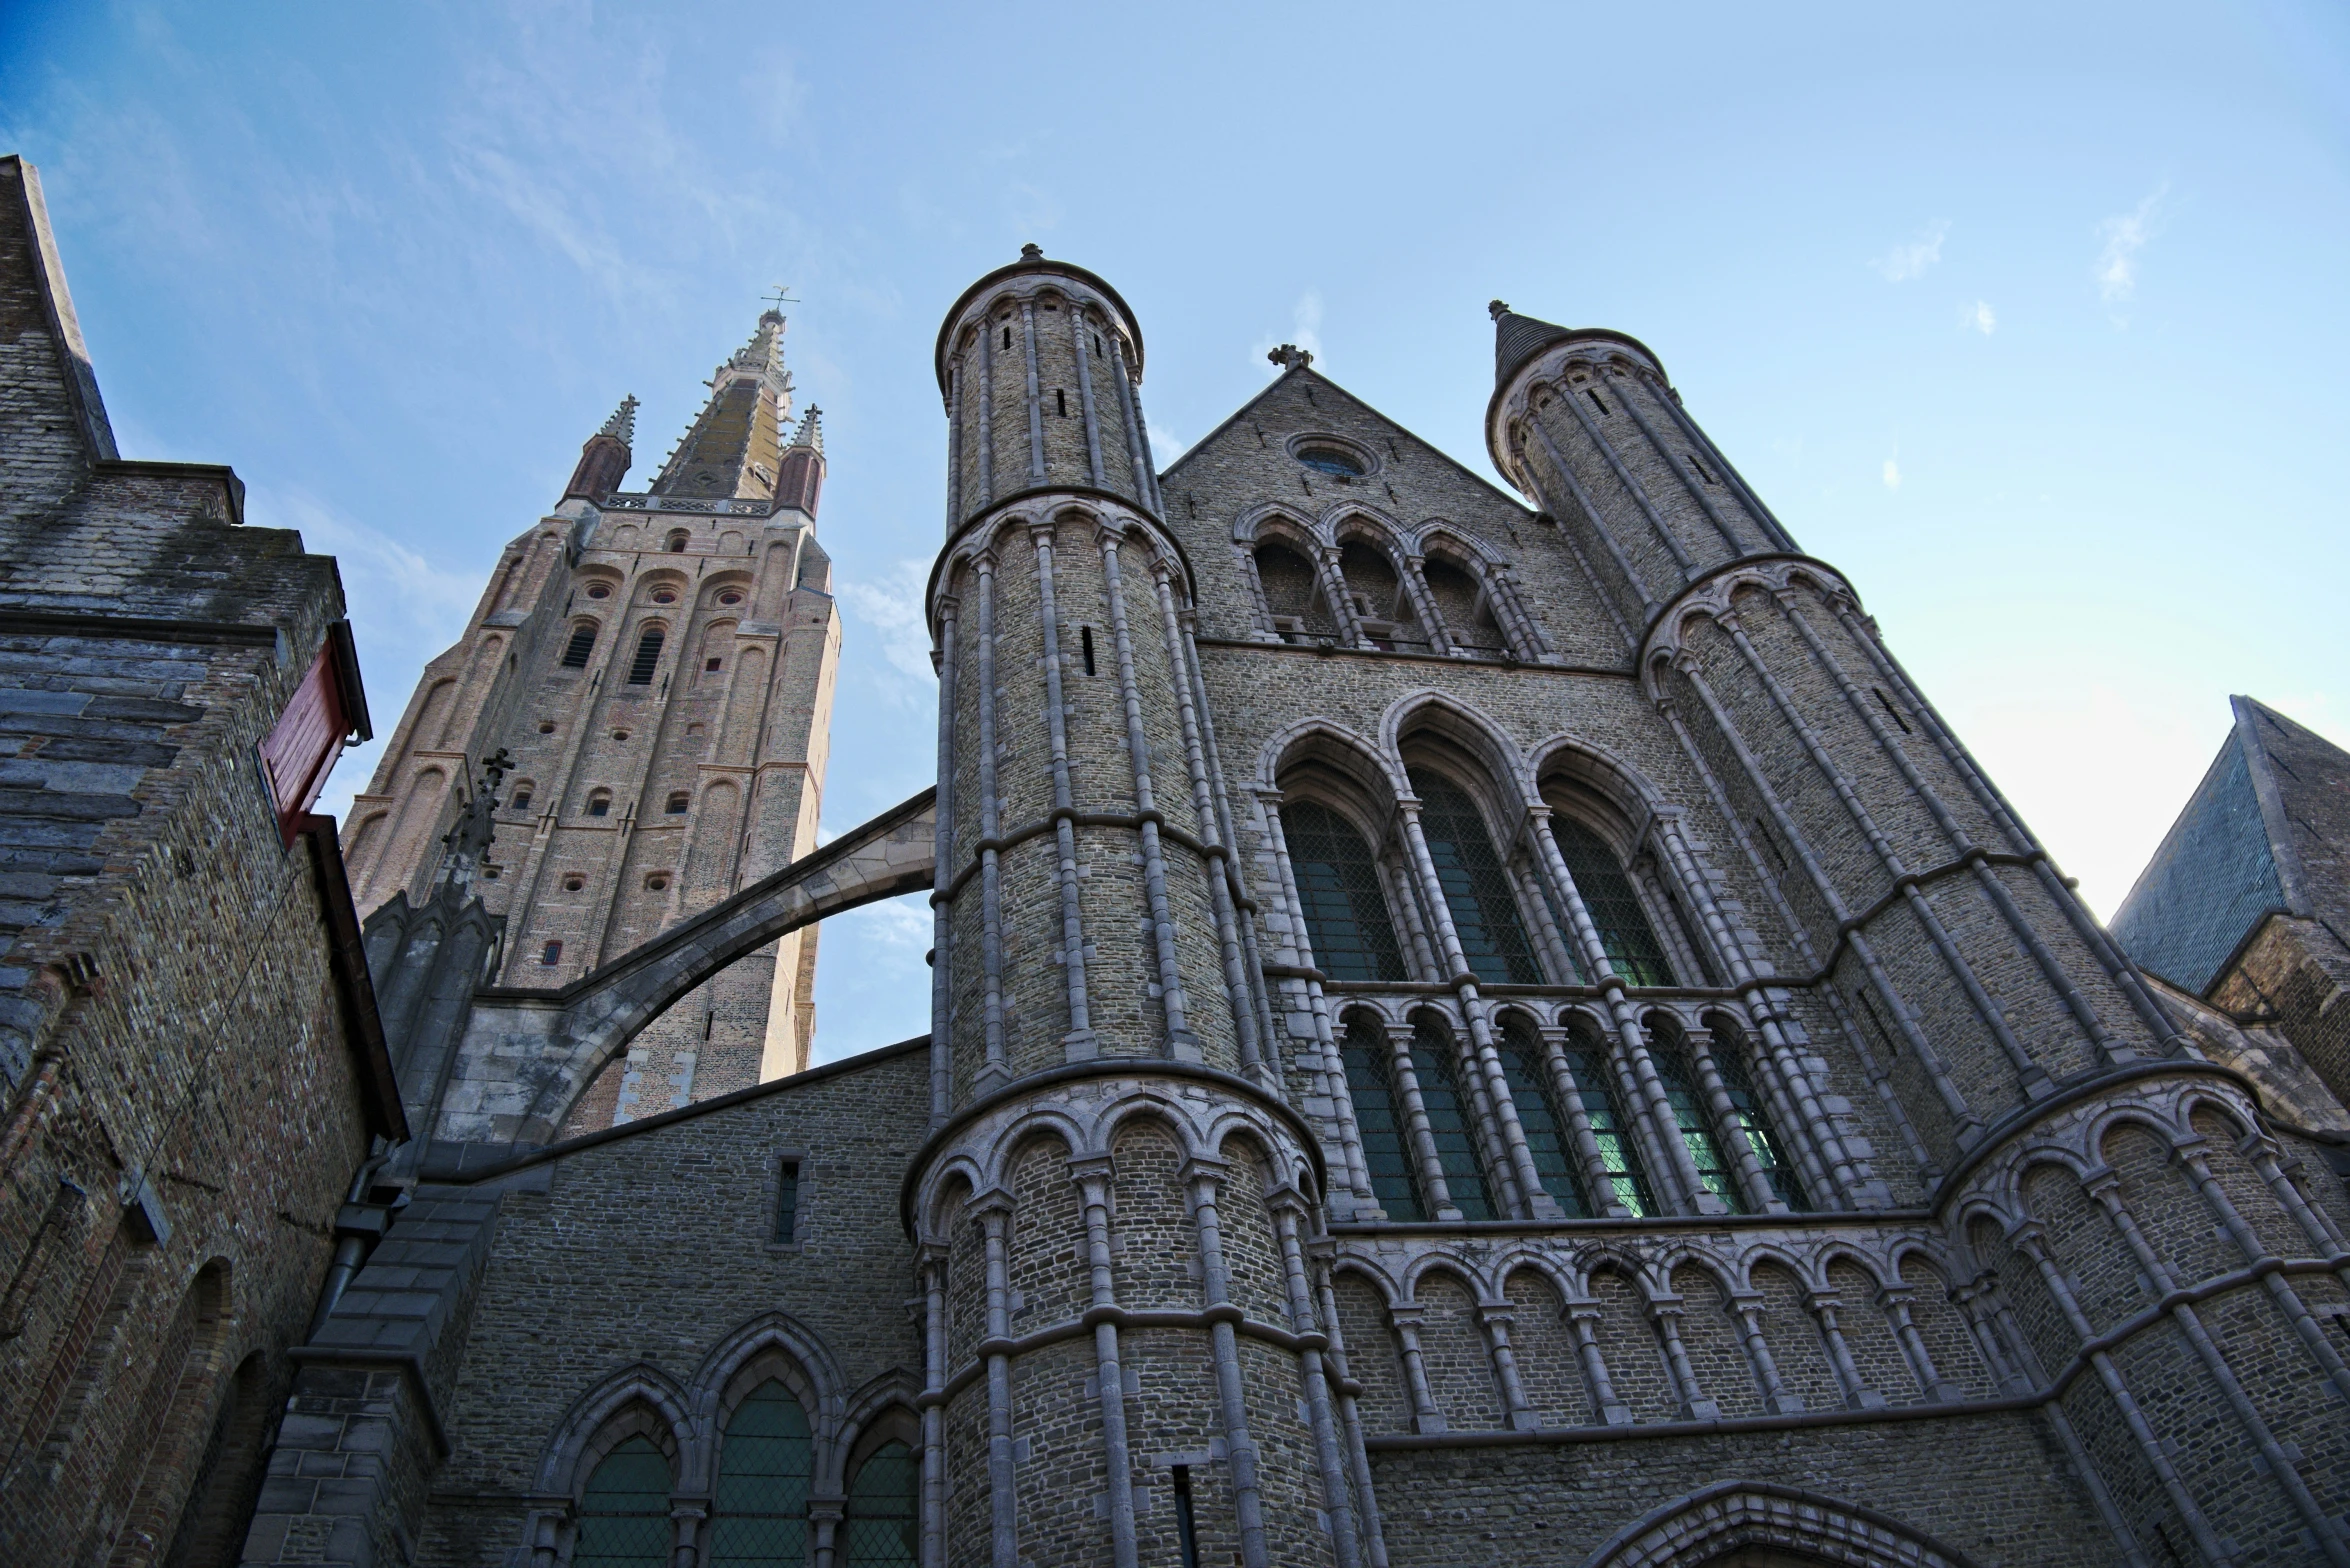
(359,1225)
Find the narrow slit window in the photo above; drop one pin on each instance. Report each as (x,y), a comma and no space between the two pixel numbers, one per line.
(1061,401)
(583,642)
(1007,337)
(787,1202)
(1186,1528)
(1698,468)
(551,954)
(648,657)
(1379,1119)
(1891,711)
(1097,345)
(1596,400)
(1449,1126)
(1085,645)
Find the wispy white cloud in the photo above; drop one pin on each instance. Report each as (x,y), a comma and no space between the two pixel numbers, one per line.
(1982,318)
(1305,330)
(1911,258)
(2125,236)
(1166,445)
(893,608)
(1893,472)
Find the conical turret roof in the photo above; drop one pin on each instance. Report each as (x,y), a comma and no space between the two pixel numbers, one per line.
(1517,339)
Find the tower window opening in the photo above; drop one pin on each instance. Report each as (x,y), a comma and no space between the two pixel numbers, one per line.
(1699,467)
(1007,337)
(1769,843)
(657,883)
(1891,711)
(599,590)
(599,804)
(1186,1529)
(546,726)
(787,1202)
(551,954)
(574,884)
(730,597)
(522,793)
(678,801)
(1061,401)
(664,596)
(575,653)
(1596,400)
(1085,645)
(1097,345)
(648,657)
(713,663)
(620,734)
(677,538)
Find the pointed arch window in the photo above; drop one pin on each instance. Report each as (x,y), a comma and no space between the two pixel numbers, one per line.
(1619,1155)
(1484,911)
(1448,1122)
(1379,1119)
(759,1516)
(624,1511)
(1752,1124)
(1624,931)
(880,1528)
(1714,1174)
(648,656)
(1293,593)
(1338,883)
(1545,1128)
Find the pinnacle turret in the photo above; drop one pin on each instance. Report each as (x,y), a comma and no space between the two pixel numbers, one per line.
(604,460)
(622,425)
(811,432)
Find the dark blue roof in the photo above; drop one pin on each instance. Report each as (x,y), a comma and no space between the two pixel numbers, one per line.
(2209,884)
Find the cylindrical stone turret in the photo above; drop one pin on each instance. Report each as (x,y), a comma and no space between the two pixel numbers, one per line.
(1125,1348)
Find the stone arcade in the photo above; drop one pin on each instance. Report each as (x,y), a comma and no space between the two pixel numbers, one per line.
(1465,1030)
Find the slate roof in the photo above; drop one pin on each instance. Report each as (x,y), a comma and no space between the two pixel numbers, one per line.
(2266,832)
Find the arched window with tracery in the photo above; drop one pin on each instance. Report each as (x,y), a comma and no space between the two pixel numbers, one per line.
(1670,1054)
(1595,1092)
(1382,604)
(1338,885)
(1466,608)
(1449,1124)
(1624,931)
(1379,1119)
(1484,910)
(880,1528)
(1522,1065)
(759,1515)
(1293,593)
(624,1509)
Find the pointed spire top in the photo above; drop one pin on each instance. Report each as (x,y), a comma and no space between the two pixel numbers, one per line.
(732,447)
(811,432)
(1517,339)
(622,425)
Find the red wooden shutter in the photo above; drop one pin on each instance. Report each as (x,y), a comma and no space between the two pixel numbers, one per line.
(300,752)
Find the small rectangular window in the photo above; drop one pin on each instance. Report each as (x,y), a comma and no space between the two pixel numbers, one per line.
(1061,401)
(714,664)
(787,1203)
(520,800)
(1085,641)
(551,954)
(1007,337)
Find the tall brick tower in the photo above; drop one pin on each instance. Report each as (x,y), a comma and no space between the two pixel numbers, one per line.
(1110,1144)
(659,669)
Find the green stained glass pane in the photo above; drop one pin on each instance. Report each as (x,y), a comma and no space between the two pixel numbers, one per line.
(880,1529)
(1379,1119)
(1624,930)
(1345,909)
(759,1517)
(1619,1155)
(1448,1123)
(1545,1129)
(1755,1127)
(1697,1133)
(1484,909)
(624,1512)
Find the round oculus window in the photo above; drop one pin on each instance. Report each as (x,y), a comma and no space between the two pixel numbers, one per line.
(1331,460)
(730,598)
(664,597)
(599,590)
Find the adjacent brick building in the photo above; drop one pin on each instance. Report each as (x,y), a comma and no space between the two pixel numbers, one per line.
(188,1042)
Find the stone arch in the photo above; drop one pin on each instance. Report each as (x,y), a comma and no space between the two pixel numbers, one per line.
(230,1474)
(1320,746)
(639,1400)
(1785,1286)
(1471,734)
(1283,566)
(1708,1525)
(1046,1212)
(1454,1355)
(1711,1335)
(1252,1246)
(1363,1295)
(152,1475)
(1618,1290)
(625,537)
(1156,1261)
(1550,1363)
(883,1411)
(1957,1358)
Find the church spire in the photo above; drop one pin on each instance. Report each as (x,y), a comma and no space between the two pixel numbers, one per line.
(801,480)
(732,450)
(604,461)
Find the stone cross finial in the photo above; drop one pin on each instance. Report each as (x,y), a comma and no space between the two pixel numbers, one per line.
(1497,309)
(1290,357)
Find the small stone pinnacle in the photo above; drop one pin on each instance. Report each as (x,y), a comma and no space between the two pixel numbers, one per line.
(1032,252)
(1498,309)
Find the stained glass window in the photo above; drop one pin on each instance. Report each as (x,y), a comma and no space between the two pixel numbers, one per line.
(1484,912)
(1619,1154)
(759,1517)
(1337,881)
(1545,1129)
(1623,925)
(624,1512)
(880,1529)
(1754,1125)
(1329,460)
(1379,1118)
(1449,1125)
(1696,1128)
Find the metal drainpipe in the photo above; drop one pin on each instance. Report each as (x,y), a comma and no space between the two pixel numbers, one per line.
(352,1244)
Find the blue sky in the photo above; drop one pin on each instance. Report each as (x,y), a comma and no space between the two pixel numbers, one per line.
(2029,317)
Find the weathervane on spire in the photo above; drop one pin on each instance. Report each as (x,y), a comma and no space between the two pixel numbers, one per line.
(782,295)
